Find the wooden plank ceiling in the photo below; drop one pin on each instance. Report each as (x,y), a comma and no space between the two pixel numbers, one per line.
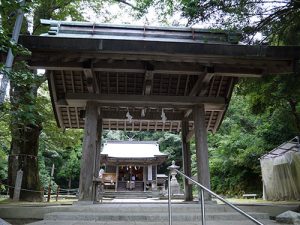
(144,73)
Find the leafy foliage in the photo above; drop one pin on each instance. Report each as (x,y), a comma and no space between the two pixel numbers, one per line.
(243,137)
(56,146)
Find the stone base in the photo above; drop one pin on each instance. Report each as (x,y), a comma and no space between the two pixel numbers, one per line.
(289,217)
(84,203)
(175,188)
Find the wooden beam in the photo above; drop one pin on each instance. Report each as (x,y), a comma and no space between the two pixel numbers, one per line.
(77,117)
(187,113)
(63,81)
(97,154)
(238,69)
(219,118)
(191,49)
(178,126)
(79,100)
(186,159)
(72,81)
(220,86)
(210,119)
(89,149)
(201,81)
(91,81)
(233,80)
(55,99)
(123,66)
(208,76)
(196,87)
(186,84)
(148,82)
(211,86)
(69,117)
(172,116)
(201,147)
(200,87)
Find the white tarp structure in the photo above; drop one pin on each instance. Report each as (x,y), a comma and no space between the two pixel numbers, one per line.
(281,172)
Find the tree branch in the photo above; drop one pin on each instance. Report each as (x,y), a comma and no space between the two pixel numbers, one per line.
(52,9)
(129,4)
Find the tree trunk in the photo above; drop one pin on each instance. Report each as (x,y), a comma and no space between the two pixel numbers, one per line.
(23,155)
(25,142)
(69,185)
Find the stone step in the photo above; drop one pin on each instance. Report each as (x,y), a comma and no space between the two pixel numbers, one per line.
(146,216)
(127,194)
(132,208)
(82,222)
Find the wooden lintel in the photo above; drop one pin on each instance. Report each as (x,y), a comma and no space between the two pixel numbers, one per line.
(250,69)
(122,66)
(80,99)
(136,115)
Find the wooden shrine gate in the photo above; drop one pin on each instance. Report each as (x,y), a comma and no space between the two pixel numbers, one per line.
(146,79)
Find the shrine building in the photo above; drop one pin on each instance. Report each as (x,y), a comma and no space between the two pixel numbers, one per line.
(131,165)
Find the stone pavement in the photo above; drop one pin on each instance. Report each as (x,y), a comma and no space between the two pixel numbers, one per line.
(136,211)
(149,214)
(233,222)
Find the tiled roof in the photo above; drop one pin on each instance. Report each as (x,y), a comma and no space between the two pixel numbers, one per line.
(291,145)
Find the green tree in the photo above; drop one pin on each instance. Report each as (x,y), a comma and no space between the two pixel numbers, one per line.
(275,94)
(275,19)
(70,169)
(5,139)
(26,122)
(55,145)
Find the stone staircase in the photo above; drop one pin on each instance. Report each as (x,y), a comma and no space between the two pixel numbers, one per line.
(149,214)
(128,194)
(138,186)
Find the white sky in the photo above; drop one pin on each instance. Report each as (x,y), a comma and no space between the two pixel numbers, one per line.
(123,14)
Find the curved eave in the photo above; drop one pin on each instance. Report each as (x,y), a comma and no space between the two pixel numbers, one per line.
(90,69)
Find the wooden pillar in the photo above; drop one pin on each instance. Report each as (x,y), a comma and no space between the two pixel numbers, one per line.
(97,156)
(117,178)
(98,147)
(201,146)
(144,177)
(89,152)
(186,159)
